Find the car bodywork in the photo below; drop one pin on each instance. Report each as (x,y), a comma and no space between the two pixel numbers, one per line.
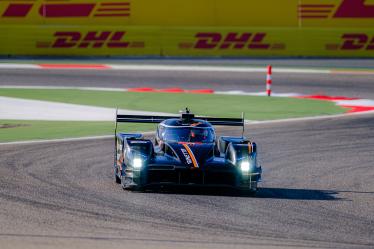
(185,152)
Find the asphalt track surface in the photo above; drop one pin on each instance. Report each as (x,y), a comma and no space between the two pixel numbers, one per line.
(318,189)
(349,85)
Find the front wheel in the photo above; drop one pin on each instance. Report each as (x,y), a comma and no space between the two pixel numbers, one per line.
(253,187)
(251,193)
(250,189)
(248,192)
(128,184)
(116,177)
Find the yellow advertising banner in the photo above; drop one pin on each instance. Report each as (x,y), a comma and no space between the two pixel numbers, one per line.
(119,41)
(83,40)
(269,42)
(187,28)
(166,13)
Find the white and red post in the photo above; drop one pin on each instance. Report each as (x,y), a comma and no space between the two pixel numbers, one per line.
(268,81)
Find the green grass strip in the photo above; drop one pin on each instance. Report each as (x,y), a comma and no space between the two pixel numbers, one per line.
(15,130)
(255,107)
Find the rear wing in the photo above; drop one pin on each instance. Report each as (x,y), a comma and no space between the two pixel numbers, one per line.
(141,119)
(224,121)
(151,119)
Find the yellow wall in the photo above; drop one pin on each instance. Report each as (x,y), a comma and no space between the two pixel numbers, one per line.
(181,28)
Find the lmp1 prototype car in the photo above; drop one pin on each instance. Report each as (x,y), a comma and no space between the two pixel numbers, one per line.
(185,152)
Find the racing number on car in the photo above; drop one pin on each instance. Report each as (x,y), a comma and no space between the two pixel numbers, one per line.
(186,156)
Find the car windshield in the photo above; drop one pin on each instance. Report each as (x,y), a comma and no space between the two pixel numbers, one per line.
(187,134)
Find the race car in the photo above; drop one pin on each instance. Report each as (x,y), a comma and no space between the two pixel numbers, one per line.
(185,152)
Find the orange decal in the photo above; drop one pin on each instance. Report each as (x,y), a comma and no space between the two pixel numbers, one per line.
(250,147)
(192,156)
(195,124)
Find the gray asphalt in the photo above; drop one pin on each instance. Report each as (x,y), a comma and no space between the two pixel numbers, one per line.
(358,63)
(317,193)
(336,85)
(318,189)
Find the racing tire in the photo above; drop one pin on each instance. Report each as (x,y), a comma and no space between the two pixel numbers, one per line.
(248,192)
(116,177)
(130,187)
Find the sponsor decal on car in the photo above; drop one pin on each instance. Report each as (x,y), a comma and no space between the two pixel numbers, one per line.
(189,156)
(186,156)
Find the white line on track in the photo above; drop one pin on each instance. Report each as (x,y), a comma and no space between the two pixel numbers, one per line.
(247,122)
(26,109)
(356,102)
(18,66)
(108,89)
(56,140)
(362,102)
(238,92)
(67,139)
(315,118)
(186,68)
(215,69)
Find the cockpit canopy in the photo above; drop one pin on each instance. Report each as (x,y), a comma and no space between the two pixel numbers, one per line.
(186,134)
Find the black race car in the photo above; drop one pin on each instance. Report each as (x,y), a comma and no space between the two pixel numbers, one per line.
(185,152)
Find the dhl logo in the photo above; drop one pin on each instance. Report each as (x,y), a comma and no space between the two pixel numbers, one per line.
(213,40)
(354,41)
(346,9)
(56,9)
(92,39)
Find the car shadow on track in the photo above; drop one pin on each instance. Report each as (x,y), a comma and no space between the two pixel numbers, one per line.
(271,193)
(297,194)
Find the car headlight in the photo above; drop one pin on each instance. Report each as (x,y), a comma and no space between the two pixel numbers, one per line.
(249,165)
(245,166)
(137,163)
